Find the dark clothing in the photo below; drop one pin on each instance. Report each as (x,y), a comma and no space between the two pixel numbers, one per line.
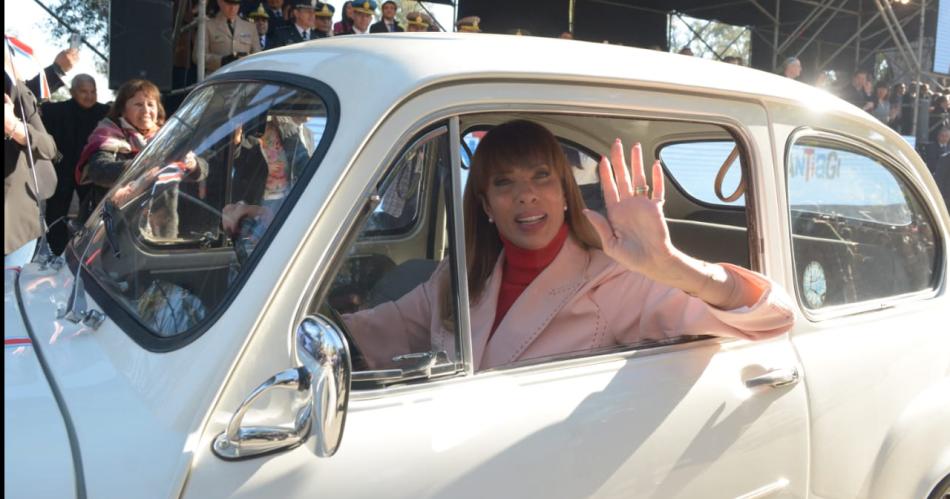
(21,201)
(70,126)
(857,97)
(942,177)
(932,154)
(381,27)
(54,77)
(289,35)
(104,169)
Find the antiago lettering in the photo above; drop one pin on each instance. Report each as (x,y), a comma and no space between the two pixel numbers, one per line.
(812,164)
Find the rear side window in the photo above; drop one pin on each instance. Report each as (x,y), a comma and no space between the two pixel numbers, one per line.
(709,171)
(859,231)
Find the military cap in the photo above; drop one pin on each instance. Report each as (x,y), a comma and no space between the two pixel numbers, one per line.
(417,19)
(260,12)
(365,6)
(468,24)
(321,9)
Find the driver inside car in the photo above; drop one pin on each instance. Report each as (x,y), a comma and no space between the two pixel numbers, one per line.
(548,276)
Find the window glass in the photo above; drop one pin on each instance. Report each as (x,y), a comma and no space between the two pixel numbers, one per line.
(858,231)
(182,224)
(385,286)
(694,167)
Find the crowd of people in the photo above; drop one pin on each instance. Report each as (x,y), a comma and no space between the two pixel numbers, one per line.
(84,145)
(893,104)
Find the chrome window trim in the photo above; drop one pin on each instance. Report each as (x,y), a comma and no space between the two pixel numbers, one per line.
(905,175)
(757,254)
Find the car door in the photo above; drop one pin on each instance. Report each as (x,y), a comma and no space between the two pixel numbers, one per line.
(663,420)
(867,246)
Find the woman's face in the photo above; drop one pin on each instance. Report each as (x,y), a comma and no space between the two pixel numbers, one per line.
(141,111)
(882,92)
(527,205)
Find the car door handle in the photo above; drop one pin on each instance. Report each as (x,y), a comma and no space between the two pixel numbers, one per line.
(774,378)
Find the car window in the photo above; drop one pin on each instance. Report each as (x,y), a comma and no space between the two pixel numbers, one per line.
(695,166)
(380,278)
(186,222)
(713,232)
(859,231)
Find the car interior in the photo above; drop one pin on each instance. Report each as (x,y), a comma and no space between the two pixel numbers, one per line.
(388,260)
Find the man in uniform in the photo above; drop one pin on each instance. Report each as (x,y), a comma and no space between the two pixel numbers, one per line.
(261,20)
(468,24)
(301,30)
(228,37)
(363,11)
(323,20)
(388,23)
(416,21)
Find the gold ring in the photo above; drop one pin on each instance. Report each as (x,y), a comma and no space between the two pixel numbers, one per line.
(640,190)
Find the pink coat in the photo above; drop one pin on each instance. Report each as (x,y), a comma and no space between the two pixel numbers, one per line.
(584,300)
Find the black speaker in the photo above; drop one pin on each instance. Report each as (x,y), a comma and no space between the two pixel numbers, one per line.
(140,42)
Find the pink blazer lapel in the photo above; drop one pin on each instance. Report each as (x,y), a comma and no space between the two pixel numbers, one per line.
(532,311)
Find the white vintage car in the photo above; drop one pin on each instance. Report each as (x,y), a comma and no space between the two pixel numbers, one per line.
(169,357)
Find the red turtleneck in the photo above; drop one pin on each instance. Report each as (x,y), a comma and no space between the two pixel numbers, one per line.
(521,267)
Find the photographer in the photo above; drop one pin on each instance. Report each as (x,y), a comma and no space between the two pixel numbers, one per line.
(228,37)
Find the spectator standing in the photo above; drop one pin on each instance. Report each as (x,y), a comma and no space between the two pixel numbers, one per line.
(70,123)
(346,24)
(302,28)
(883,110)
(261,20)
(937,149)
(388,23)
(942,177)
(24,185)
(132,121)
(323,20)
(416,22)
(792,68)
(276,19)
(228,37)
(897,98)
(940,114)
(858,93)
(362,12)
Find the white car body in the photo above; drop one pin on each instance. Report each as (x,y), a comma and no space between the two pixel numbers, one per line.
(869,416)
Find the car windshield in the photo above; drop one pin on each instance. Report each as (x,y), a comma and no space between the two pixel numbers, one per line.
(192,212)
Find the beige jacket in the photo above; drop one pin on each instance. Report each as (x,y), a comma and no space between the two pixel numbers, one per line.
(583,300)
(220,43)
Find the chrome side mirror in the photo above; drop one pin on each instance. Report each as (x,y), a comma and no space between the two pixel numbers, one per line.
(323,353)
(322,381)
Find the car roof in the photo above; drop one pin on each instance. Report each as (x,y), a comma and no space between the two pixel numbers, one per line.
(381,69)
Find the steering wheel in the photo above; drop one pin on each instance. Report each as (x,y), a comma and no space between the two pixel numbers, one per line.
(357,359)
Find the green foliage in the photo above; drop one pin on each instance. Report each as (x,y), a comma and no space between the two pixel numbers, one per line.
(709,39)
(90,18)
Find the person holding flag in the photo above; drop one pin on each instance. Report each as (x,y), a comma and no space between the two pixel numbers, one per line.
(132,122)
(28,176)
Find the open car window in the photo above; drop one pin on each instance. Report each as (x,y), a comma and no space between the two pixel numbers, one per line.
(190,216)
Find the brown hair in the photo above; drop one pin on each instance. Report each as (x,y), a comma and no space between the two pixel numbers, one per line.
(518,143)
(128,90)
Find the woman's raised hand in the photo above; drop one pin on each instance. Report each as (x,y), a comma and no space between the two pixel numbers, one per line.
(634,232)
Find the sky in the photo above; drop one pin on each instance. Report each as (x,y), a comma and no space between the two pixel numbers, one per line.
(27,21)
